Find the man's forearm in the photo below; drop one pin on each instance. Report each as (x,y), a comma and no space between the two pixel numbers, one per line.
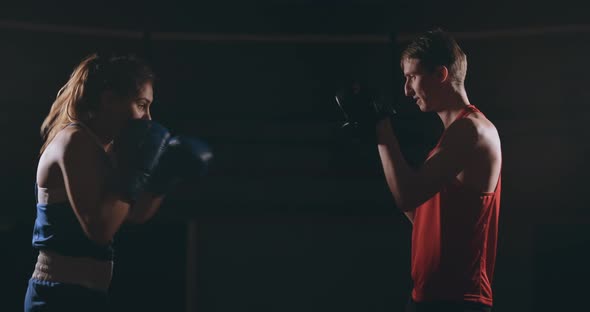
(397,172)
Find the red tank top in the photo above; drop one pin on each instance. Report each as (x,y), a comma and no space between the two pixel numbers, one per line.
(454,243)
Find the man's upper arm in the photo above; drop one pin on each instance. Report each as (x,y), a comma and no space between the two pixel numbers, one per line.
(456,149)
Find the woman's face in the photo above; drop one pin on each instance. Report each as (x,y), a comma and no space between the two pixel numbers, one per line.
(117,110)
(139,105)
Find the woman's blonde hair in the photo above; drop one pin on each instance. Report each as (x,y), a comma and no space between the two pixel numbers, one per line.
(78,99)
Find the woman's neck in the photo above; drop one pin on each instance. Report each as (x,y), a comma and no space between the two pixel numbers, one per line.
(100,131)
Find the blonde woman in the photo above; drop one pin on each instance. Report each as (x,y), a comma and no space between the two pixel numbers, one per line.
(103,163)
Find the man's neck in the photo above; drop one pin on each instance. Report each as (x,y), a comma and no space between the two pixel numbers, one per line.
(454,105)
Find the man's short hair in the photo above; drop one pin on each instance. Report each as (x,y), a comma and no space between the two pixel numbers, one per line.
(438,48)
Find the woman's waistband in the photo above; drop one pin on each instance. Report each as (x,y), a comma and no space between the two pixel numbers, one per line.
(87,272)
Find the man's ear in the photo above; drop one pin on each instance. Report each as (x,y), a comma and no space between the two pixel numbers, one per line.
(442,73)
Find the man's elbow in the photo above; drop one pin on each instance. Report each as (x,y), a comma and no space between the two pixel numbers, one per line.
(407,208)
(405,199)
(405,204)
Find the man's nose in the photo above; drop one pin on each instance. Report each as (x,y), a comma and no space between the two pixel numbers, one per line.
(408,89)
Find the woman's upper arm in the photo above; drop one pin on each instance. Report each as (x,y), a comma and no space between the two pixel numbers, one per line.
(85,176)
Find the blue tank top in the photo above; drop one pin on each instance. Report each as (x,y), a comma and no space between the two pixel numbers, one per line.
(57,228)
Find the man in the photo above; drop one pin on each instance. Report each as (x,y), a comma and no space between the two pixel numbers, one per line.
(453,199)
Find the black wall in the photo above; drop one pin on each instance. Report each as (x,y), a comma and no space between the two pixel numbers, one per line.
(293,217)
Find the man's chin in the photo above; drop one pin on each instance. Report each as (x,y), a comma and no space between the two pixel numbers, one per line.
(423,108)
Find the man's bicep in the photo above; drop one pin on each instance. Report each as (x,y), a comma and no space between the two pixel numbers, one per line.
(449,159)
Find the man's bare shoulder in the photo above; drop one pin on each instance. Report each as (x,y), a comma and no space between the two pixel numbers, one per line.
(475,130)
(487,134)
(485,128)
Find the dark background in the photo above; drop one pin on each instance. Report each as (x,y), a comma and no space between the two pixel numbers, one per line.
(292,217)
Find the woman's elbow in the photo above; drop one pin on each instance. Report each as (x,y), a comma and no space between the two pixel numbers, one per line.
(100,237)
(144,209)
(100,232)
(138,218)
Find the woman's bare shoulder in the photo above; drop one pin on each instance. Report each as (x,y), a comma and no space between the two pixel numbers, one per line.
(72,140)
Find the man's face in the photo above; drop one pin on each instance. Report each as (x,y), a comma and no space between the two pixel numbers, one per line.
(420,84)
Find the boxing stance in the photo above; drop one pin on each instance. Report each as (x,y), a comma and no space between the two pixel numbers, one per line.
(103,163)
(453,198)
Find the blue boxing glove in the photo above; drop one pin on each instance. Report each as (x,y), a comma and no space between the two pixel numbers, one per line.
(184,158)
(137,150)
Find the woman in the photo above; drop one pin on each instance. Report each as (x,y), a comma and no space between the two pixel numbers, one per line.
(79,207)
